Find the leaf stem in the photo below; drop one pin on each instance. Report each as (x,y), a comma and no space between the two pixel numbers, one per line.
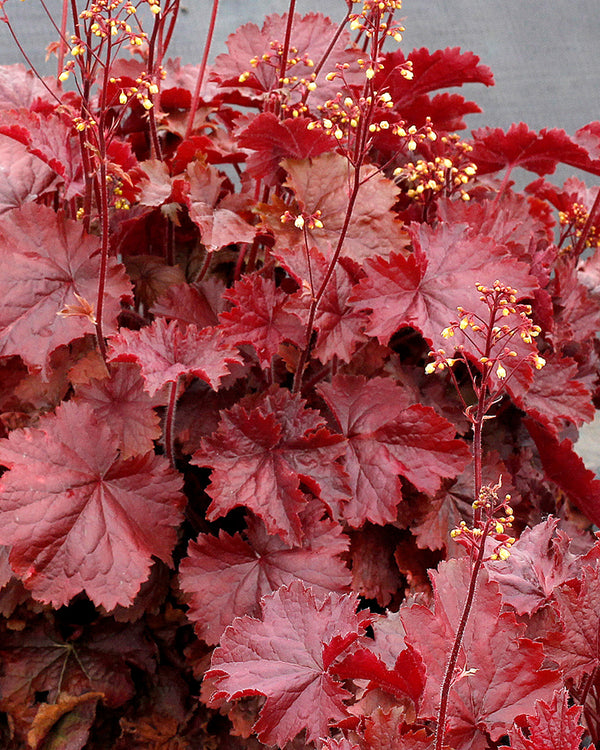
(170,422)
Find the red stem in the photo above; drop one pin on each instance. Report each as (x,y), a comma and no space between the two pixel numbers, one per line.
(202,71)
(63,44)
(286,41)
(170,423)
(319,295)
(156,151)
(440,731)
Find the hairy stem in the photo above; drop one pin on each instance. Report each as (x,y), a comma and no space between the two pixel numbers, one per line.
(440,731)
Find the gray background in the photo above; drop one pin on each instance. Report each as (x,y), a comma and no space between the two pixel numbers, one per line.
(545,56)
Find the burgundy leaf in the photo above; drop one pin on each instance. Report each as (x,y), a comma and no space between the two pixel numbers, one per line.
(564,467)
(385,437)
(20,87)
(219,226)
(555,395)
(554,726)
(501,674)
(52,139)
(198,303)
(226,577)
(121,401)
(575,648)
(339,325)
(264,447)
(539,562)
(432,71)
(273,140)
(262,317)
(494,150)
(24,177)
(407,679)
(320,184)
(424,289)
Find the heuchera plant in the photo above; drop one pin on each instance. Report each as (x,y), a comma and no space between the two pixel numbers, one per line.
(291,378)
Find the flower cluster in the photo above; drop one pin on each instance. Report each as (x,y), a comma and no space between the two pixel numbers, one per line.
(449,173)
(298,77)
(574,221)
(376,17)
(301,221)
(490,340)
(493,520)
(143,90)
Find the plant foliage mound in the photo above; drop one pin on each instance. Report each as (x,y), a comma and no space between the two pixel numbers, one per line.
(291,380)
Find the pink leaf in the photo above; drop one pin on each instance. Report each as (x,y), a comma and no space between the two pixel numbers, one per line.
(78,517)
(281,657)
(46,260)
(165,351)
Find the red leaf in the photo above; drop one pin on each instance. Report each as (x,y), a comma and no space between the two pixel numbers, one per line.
(339,744)
(198,303)
(311,36)
(554,726)
(406,679)
(39,659)
(575,648)
(20,87)
(502,673)
(262,317)
(339,325)
(432,71)
(273,140)
(281,657)
(121,402)
(24,177)
(564,467)
(387,731)
(424,289)
(79,518)
(555,395)
(46,259)
(385,436)
(165,351)
(539,562)
(52,139)
(264,447)
(576,311)
(219,226)
(494,150)
(227,577)
(375,574)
